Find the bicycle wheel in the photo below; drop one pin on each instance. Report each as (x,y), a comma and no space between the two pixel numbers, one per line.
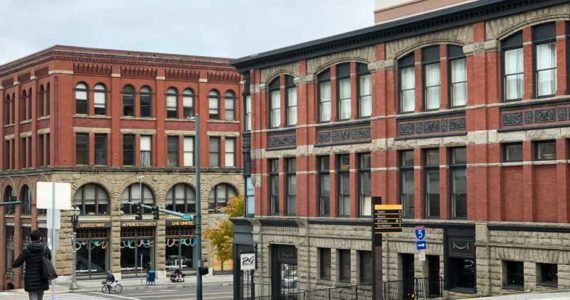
(104,289)
(118,288)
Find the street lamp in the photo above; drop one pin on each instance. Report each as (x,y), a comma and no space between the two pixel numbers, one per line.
(74,220)
(198,215)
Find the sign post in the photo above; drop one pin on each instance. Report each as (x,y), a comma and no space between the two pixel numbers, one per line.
(385,218)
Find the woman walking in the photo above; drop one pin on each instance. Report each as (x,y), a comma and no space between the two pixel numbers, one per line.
(32,255)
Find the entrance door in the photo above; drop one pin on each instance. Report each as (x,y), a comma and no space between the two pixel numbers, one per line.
(407,261)
(433,276)
(283,271)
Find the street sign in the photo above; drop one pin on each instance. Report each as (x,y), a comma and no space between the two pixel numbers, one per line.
(422,256)
(387,218)
(187,217)
(420,232)
(247,261)
(421,245)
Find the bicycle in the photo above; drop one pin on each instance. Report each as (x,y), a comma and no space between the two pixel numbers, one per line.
(115,287)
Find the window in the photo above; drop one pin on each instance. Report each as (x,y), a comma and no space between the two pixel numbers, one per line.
(219,197)
(547,274)
(173,151)
(230,106)
(214,147)
(230,156)
(513,274)
(9,209)
(92,199)
(40,101)
(48,97)
(100,148)
(291,93)
(188,103)
(513,67)
(366,266)
(23,152)
(24,105)
(544,40)
(364,91)
(26,199)
(324,263)
(146,102)
(343,185)
(323,168)
(81,91)
(273,166)
(364,196)
(407,183)
(431,179)
(136,193)
(512,152)
(247,113)
(545,150)
(343,89)
(188,151)
(128,150)
(181,198)
(343,265)
(458,183)
(172,103)
(128,101)
(324,96)
(100,99)
(41,158)
(274,104)
(432,77)
(214,105)
(291,186)
(10,244)
(82,149)
(407,74)
(458,71)
(146,150)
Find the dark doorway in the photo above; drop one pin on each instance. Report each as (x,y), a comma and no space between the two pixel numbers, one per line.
(283,271)
(460,262)
(407,261)
(433,276)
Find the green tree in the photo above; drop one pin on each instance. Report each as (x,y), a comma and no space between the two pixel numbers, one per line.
(222,235)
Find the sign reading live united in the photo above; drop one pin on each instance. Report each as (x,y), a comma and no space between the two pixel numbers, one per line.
(387,218)
(138,224)
(179,223)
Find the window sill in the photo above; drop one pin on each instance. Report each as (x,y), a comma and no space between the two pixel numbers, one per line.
(138,118)
(28,121)
(44,118)
(545,162)
(84,116)
(179,120)
(8,125)
(548,285)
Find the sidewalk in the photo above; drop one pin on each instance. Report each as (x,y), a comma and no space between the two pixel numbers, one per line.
(554,295)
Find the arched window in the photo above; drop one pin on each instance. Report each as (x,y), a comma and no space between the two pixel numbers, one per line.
(230,106)
(219,197)
(146,102)
(40,101)
(214,105)
(181,198)
(23,111)
(274,104)
(458,76)
(343,91)
(9,209)
(364,91)
(7,111)
(100,99)
(128,101)
(188,103)
(132,194)
(48,98)
(407,71)
(81,91)
(291,100)
(171,103)
(26,199)
(92,199)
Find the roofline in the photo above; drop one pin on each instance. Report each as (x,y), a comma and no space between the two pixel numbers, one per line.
(421,24)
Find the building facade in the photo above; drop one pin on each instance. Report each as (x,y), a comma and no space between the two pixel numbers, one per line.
(461,115)
(117,126)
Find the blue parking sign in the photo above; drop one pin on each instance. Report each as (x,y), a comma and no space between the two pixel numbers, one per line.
(420,232)
(421,245)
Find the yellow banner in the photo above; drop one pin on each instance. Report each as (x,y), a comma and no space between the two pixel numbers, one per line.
(388,206)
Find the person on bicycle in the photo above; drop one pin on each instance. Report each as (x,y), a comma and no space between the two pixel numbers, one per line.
(110,280)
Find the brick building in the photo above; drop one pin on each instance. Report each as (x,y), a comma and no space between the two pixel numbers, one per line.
(460,114)
(100,119)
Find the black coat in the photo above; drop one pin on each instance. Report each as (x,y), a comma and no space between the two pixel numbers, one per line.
(32,256)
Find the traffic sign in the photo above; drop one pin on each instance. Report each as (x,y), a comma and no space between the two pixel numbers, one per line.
(387,218)
(420,232)
(421,245)
(422,256)
(187,217)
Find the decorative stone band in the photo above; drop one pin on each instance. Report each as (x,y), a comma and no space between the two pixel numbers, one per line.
(281,140)
(347,134)
(536,115)
(430,126)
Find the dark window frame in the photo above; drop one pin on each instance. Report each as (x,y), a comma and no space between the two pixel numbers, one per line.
(514,41)
(214,163)
(188,110)
(514,275)
(82,200)
(128,95)
(364,169)
(101,149)
(541,36)
(456,165)
(323,170)
(273,190)
(404,63)
(189,194)
(408,210)
(170,112)
(325,261)
(430,169)
(455,53)
(173,149)
(547,274)
(362,71)
(146,102)
(214,112)
(344,265)
(366,267)
(230,97)
(505,153)
(82,145)
(430,56)
(290,195)
(216,206)
(537,155)
(322,78)
(342,174)
(132,152)
(82,105)
(343,71)
(289,86)
(126,202)
(274,86)
(99,89)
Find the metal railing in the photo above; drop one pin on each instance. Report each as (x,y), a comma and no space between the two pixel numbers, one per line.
(412,289)
(355,292)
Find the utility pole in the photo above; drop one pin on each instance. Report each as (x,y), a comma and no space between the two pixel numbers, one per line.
(198,216)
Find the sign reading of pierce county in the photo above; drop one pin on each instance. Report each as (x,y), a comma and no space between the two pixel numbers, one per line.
(387,218)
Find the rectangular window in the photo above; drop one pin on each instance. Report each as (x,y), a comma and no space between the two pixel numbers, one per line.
(273,165)
(48,150)
(432,86)
(547,274)
(172,105)
(146,150)
(247,113)
(128,150)
(343,89)
(41,153)
(291,184)
(431,179)
(364,195)
(407,89)
(214,148)
(458,183)
(512,152)
(99,101)
(343,265)
(364,92)
(458,82)
(82,149)
(544,40)
(407,183)
(23,153)
(514,74)
(545,150)
(101,149)
(366,266)
(275,109)
(324,97)
(173,151)
(324,263)
(81,99)
(10,240)
(343,185)
(230,152)
(324,185)
(229,107)
(188,151)
(513,274)
(188,104)
(214,106)
(291,106)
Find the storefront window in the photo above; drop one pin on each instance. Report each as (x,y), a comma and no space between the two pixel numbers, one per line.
(92,248)
(137,250)
(179,249)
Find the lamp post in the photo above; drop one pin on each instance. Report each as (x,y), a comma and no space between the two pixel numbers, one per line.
(74,219)
(198,215)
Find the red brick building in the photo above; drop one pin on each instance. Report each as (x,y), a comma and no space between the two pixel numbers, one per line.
(461,115)
(100,119)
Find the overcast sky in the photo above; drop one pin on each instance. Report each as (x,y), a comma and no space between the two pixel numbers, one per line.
(227,28)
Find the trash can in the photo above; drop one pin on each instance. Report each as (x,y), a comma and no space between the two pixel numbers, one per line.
(151,277)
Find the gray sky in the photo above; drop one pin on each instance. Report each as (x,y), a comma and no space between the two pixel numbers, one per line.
(229,28)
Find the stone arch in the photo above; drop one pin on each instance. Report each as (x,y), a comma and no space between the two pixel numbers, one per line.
(268,74)
(509,31)
(331,63)
(410,49)
(365,55)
